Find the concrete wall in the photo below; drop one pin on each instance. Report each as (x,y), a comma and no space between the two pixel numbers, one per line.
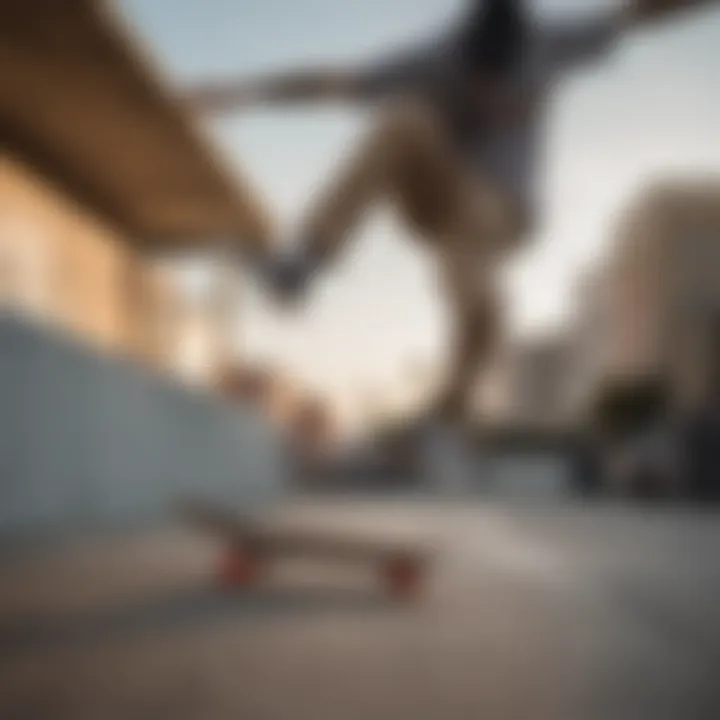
(87,438)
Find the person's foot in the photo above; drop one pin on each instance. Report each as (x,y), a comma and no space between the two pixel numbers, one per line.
(284,274)
(289,275)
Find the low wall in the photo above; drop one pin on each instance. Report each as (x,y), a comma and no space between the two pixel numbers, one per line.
(89,439)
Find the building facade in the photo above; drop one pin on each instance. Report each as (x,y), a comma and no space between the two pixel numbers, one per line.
(652,309)
(60,261)
(100,173)
(102,176)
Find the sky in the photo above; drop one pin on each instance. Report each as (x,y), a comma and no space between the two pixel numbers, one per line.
(650,110)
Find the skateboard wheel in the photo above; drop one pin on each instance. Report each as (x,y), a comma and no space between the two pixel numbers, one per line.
(403,578)
(239,567)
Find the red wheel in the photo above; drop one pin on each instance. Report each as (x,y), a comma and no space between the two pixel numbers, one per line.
(403,578)
(240,567)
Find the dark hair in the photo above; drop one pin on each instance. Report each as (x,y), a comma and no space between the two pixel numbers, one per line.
(494,35)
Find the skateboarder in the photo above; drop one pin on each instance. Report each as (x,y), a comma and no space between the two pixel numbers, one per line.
(454,148)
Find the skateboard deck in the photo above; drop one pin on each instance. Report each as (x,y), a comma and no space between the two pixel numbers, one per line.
(251,544)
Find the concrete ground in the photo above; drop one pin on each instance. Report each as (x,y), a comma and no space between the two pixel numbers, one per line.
(552,612)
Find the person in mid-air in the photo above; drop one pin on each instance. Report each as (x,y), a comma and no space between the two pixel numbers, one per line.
(454,149)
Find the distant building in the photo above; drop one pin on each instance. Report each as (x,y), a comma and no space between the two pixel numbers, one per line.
(653,308)
(535,377)
(314,426)
(266,388)
(589,343)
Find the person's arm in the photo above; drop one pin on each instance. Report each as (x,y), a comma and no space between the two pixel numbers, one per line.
(645,12)
(303,86)
(292,87)
(578,42)
(589,39)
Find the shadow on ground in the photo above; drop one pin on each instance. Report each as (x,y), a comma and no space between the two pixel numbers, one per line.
(188,608)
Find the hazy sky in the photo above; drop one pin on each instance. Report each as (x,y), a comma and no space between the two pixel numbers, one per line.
(652,109)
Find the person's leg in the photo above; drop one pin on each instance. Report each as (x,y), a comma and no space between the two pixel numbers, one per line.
(405,159)
(469,259)
(470,282)
(255,246)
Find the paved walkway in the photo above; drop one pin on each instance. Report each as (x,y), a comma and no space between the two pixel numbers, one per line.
(542,613)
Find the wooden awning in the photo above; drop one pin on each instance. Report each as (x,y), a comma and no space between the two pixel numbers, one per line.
(80,103)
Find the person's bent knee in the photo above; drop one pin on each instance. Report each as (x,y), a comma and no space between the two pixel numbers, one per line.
(408,123)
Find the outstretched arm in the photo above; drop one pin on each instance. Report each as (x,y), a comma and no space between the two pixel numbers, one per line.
(362,84)
(644,12)
(579,42)
(300,86)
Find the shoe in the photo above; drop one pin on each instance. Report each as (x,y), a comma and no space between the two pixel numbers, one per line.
(290,274)
(286,275)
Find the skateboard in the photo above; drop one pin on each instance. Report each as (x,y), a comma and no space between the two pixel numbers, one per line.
(251,545)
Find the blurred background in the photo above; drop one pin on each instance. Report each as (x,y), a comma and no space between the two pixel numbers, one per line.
(139,366)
